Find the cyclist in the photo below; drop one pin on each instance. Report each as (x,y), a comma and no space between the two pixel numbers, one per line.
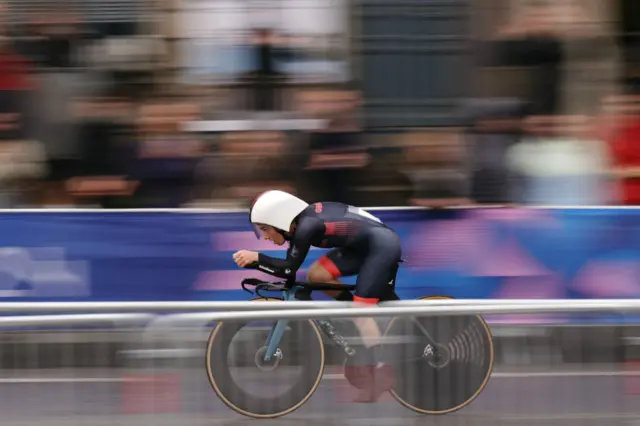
(361,244)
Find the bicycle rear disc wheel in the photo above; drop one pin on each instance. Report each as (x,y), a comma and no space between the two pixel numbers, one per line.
(439,385)
(252,389)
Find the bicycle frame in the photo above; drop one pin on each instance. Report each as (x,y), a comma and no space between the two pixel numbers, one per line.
(277,331)
(273,341)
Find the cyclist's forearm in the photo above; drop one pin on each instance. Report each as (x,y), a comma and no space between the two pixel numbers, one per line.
(283,268)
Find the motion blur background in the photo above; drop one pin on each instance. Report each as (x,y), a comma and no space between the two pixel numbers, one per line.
(205,103)
(113,104)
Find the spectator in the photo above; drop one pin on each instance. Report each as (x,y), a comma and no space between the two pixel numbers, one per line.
(62,100)
(61,107)
(106,137)
(435,163)
(495,126)
(336,152)
(567,56)
(266,80)
(22,163)
(56,123)
(530,41)
(21,155)
(560,163)
(53,41)
(126,53)
(621,123)
(383,181)
(14,68)
(247,163)
(165,158)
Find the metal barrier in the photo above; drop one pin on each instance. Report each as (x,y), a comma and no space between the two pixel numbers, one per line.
(158,307)
(106,374)
(68,320)
(558,305)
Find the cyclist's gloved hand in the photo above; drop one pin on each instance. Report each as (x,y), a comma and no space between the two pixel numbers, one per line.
(244,258)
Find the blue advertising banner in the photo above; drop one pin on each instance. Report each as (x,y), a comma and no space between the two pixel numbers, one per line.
(474,253)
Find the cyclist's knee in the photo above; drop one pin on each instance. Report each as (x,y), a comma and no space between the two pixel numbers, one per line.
(317,273)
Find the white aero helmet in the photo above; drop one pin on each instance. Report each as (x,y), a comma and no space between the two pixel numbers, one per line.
(277,209)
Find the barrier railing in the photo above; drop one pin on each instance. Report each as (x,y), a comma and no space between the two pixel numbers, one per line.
(561,377)
(158,307)
(69,320)
(493,306)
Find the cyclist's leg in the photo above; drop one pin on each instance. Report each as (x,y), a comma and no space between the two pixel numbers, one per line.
(336,263)
(376,266)
(375,282)
(377,275)
(343,262)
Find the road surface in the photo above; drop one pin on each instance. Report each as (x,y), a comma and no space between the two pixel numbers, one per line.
(602,395)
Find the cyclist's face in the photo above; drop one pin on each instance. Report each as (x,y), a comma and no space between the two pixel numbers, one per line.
(271,234)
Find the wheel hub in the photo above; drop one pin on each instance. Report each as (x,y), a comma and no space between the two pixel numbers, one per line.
(271,364)
(437,356)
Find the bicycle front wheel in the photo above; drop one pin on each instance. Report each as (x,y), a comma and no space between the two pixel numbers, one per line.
(447,377)
(264,389)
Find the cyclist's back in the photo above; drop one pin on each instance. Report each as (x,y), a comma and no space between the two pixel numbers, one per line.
(331,225)
(361,244)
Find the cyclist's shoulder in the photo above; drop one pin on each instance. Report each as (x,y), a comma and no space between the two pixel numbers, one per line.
(308,222)
(334,211)
(323,211)
(321,206)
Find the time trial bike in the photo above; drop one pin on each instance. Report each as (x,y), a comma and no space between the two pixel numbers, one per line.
(441,363)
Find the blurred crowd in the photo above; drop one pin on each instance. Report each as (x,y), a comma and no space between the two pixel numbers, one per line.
(88,120)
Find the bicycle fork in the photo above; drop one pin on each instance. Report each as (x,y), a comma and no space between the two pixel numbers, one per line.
(275,335)
(280,326)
